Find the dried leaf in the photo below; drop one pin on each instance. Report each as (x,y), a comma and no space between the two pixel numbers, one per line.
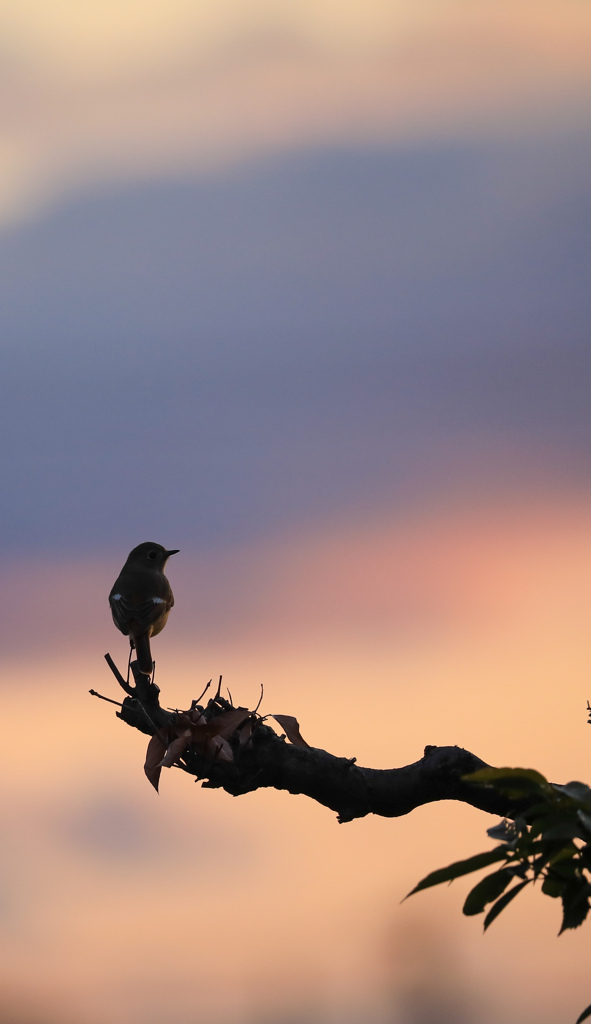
(218,749)
(225,725)
(183,721)
(176,749)
(222,727)
(245,734)
(291,727)
(154,754)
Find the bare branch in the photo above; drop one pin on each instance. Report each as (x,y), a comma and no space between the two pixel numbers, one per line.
(261,758)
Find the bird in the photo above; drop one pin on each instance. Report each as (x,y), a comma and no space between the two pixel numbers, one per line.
(141,599)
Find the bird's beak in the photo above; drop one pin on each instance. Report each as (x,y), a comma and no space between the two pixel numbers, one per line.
(175,552)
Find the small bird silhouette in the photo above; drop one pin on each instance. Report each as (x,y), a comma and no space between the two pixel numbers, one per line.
(141,599)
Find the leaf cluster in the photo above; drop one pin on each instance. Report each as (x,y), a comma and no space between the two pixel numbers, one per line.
(218,732)
(546,839)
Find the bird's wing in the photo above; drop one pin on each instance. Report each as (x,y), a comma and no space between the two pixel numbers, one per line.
(144,613)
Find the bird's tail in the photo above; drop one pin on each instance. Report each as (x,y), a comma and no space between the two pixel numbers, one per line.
(144,654)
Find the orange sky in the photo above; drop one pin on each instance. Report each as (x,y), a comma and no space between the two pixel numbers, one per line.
(126,906)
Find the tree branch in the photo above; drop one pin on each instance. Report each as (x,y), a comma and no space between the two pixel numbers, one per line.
(257,757)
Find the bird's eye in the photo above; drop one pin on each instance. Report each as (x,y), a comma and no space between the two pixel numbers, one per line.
(152,554)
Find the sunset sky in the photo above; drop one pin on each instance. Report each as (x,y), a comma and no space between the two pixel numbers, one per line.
(301,289)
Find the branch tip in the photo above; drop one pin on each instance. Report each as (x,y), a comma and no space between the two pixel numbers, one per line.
(94,693)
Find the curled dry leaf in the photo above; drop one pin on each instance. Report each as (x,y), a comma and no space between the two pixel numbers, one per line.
(192,728)
(246,731)
(154,754)
(222,725)
(212,737)
(218,749)
(176,749)
(291,727)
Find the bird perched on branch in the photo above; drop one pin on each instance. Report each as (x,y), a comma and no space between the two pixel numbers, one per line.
(141,599)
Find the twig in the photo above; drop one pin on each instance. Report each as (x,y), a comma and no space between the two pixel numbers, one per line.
(194,703)
(260,700)
(95,694)
(130,690)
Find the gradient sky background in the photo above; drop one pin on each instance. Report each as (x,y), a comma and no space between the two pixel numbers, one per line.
(303,290)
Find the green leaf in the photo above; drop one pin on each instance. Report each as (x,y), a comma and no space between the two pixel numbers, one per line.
(461,867)
(586,1013)
(568,852)
(552,886)
(530,845)
(487,890)
(536,811)
(585,820)
(495,775)
(500,905)
(575,904)
(576,790)
(565,867)
(553,853)
(539,864)
(562,830)
(542,822)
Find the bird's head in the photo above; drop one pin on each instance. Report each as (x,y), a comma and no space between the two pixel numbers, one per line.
(150,556)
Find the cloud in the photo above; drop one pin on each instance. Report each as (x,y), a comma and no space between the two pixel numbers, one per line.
(127,91)
(222,358)
(397,580)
